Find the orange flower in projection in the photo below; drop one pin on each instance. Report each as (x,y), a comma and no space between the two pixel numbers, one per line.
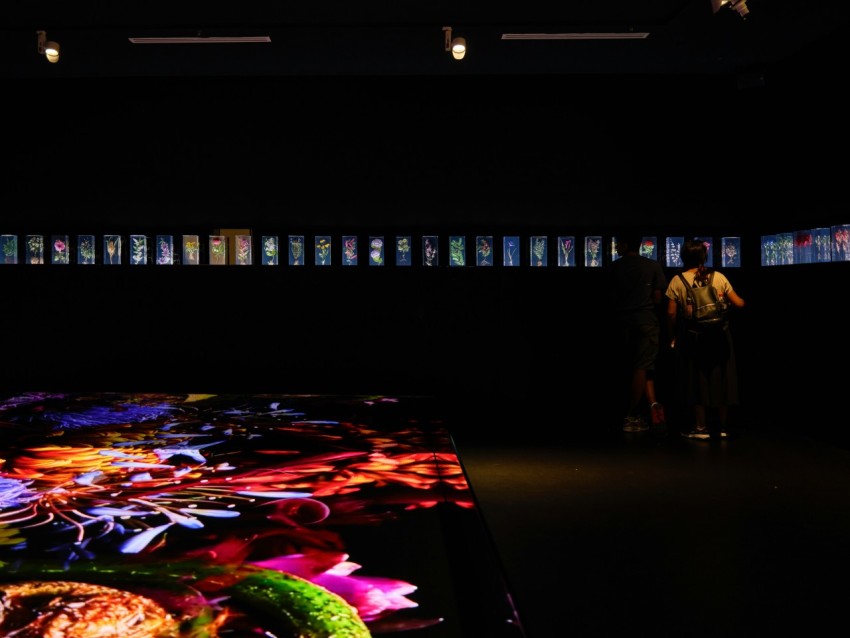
(350,472)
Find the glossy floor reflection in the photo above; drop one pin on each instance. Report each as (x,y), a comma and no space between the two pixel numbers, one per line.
(604,533)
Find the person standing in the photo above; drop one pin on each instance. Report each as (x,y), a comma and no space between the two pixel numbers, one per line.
(637,286)
(705,369)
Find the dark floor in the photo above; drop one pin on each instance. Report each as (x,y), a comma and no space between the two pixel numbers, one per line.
(604,533)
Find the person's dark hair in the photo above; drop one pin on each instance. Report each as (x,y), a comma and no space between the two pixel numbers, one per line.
(630,240)
(693,255)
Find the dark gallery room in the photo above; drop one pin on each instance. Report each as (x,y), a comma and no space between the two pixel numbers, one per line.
(308,328)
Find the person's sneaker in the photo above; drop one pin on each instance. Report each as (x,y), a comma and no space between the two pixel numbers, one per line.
(657,411)
(696,433)
(634,424)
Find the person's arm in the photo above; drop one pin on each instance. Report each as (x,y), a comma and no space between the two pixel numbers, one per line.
(734,298)
(672,312)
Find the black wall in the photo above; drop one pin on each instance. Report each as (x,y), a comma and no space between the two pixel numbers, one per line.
(423,156)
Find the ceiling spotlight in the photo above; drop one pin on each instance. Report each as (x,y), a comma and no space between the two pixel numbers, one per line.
(456,45)
(738,5)
(48,48)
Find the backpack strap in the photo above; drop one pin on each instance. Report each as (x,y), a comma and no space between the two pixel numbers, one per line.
(708,281)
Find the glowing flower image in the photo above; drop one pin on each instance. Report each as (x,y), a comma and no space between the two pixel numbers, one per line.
(484,250)
(270,247)
(243,250)
(164,255)
(60,251)
(349,249)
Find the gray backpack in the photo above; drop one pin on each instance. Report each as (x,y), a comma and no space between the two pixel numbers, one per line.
(704,309)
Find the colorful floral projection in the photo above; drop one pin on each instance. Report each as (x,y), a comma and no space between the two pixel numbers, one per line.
(205,515)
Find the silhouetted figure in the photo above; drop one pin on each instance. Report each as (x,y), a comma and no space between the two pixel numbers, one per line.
(705,372)
(637,285)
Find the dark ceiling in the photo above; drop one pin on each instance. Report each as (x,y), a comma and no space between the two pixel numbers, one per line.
(405,37)
(365,99)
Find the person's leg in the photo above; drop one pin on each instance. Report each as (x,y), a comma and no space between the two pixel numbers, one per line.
(649,389)
(643,381)
(656,410)
(636,391)
(633,422)
(722,416)
(699,431)
(699,416)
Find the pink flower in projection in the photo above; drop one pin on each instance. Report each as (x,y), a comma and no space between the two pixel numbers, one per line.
(59,246)
(372,596)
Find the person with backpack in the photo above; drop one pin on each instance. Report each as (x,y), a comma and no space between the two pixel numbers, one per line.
(705,371)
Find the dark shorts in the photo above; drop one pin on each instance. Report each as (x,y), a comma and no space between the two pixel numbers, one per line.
(641,345)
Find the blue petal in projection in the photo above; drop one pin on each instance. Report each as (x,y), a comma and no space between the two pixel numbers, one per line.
(103,415)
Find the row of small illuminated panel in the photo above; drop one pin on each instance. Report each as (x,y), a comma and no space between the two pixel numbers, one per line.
(809,246)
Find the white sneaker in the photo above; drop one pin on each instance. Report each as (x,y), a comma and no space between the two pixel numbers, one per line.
(634,424)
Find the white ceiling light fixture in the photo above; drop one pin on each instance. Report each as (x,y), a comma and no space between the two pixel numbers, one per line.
(456,45)
(47,48)
(738,5)
(240,39)
(611,35)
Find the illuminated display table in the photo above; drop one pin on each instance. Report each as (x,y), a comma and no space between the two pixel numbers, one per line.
(240,515)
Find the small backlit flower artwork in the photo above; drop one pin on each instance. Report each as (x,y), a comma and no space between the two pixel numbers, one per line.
(673,251)
(539,245)
(323,250)
(648,248)
(803,246)
(784,249)
(244,255)
(841,243)
(484,250)
(457,251)
(510,250)
(822,239)
(191,250)
(566,252)
(112,250)
(164,250)
(349,250)
(430,251)
(769,251)
(10,248)
(85,249)
(270,250)
(731,252)
(138,250)
(296,250)
(592,251)
(376,251)
(218,250)
(35,249)
(613,255)
(61,253)
(402,251)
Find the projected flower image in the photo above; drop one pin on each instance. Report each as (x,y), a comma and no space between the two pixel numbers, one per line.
(204,515)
